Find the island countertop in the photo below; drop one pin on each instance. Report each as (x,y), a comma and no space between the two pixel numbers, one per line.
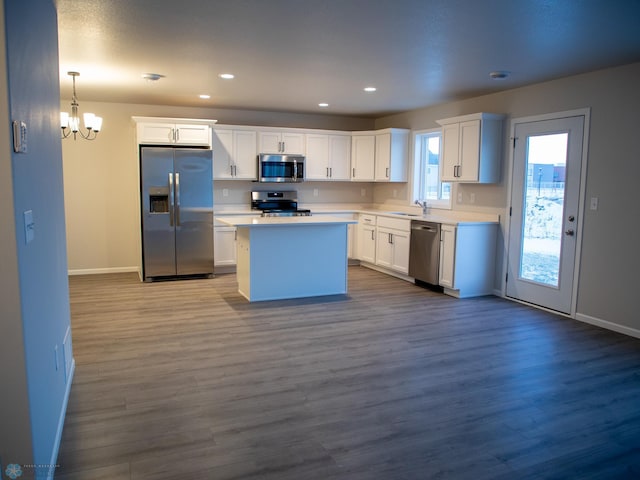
(249,221)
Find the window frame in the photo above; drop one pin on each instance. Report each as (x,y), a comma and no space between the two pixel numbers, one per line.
(419,164)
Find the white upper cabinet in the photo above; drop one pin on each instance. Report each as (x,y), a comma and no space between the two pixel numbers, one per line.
(392,152)
(165,132)
(363,151)
(272,141)
(471,148)
(234,154)
(328,157)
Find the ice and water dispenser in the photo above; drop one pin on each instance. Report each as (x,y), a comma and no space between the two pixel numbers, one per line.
(158,199)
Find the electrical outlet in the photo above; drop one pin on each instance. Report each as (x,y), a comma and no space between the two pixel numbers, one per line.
(315,192)
(594,203)
(472,198)
(459,197)
(395,193)
(363,192)
(225,192)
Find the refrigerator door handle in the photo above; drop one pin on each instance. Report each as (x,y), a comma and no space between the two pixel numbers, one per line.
(171,202)
(177,199)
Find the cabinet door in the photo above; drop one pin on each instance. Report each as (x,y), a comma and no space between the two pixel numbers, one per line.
(222,147)
(469,151)
(187,134)
(400,251)
(450,152)
(245,156)
(367,243)
(317,163)
(383,157)
(339,157)
(224,246)
(293,143)
(155,133)
(447,256)
(384,247)
(269,142)
(363,157)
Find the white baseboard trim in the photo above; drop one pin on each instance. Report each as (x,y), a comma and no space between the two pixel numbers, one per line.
(598,322)
(97,271)
(63,414)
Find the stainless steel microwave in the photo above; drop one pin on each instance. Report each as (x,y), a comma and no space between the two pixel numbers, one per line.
(280,168)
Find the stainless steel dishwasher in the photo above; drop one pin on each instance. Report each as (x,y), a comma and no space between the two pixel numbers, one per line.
(424,251)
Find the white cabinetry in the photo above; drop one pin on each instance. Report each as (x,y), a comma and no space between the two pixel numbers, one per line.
(367,238)
(224,246)
(274,141)
(380,155)
(328,157)
(363,152)
(392,243)
(392,151)
(467,259)
(151,132)
(234,154)
(471,148)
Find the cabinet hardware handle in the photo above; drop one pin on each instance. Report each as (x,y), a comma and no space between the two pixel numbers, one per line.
(327,172)
(235,234)
(330,172)
(386,172)
(390,237)
(353,173)
(177,134)
(372,237)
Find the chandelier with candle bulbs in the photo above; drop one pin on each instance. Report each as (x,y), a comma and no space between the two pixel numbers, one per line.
(70,123)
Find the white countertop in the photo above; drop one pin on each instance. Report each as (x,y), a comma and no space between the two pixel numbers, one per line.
(448,217)
(249,221)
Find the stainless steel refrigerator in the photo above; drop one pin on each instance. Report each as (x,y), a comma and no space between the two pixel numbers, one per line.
(177,212)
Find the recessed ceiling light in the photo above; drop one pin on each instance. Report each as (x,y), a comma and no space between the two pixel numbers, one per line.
(499,74)
(370,89)
(152,77)
(227,76)
(323,105)
(205,97)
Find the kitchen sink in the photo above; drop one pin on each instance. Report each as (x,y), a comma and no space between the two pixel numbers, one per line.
(404,213)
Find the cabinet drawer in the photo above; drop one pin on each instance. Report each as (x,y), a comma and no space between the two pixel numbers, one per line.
(367,219)
(395,223)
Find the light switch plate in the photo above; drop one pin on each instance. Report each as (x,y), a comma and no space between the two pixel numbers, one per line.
(594,203)
(29,226)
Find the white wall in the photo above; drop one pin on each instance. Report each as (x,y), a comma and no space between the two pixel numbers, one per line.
(101,179)
(38,310)
(610,261)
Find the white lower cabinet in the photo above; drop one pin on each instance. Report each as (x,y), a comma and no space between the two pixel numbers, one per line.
(384,241)
(392,244)
(224,246)
(366,250)
(467,259)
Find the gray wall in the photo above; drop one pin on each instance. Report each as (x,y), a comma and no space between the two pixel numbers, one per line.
(36,315)
(610,259)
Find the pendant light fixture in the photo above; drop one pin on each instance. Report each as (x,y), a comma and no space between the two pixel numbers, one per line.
(71,123)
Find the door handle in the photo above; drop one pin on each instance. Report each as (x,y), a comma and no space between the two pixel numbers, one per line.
(569,233)
(171,200)
(177,187)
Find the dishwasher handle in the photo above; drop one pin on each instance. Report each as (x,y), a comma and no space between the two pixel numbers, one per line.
(424,228)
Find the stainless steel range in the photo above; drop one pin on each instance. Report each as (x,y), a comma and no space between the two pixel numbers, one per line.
(278,204)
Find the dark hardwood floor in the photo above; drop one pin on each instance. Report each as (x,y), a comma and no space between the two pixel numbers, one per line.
(187,380)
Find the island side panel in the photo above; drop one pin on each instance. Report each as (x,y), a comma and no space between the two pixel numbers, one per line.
(243,261)
(294,261)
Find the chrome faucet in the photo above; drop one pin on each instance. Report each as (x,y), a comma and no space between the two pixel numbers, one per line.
(423,204)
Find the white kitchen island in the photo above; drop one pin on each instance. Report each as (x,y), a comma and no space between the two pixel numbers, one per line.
(290,257)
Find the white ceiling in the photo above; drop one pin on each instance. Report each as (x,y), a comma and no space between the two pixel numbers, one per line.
(289,55)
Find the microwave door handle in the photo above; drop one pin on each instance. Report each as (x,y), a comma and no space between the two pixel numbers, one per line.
(295,171)
(171,198)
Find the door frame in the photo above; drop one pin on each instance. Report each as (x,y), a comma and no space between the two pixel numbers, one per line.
(586,113)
